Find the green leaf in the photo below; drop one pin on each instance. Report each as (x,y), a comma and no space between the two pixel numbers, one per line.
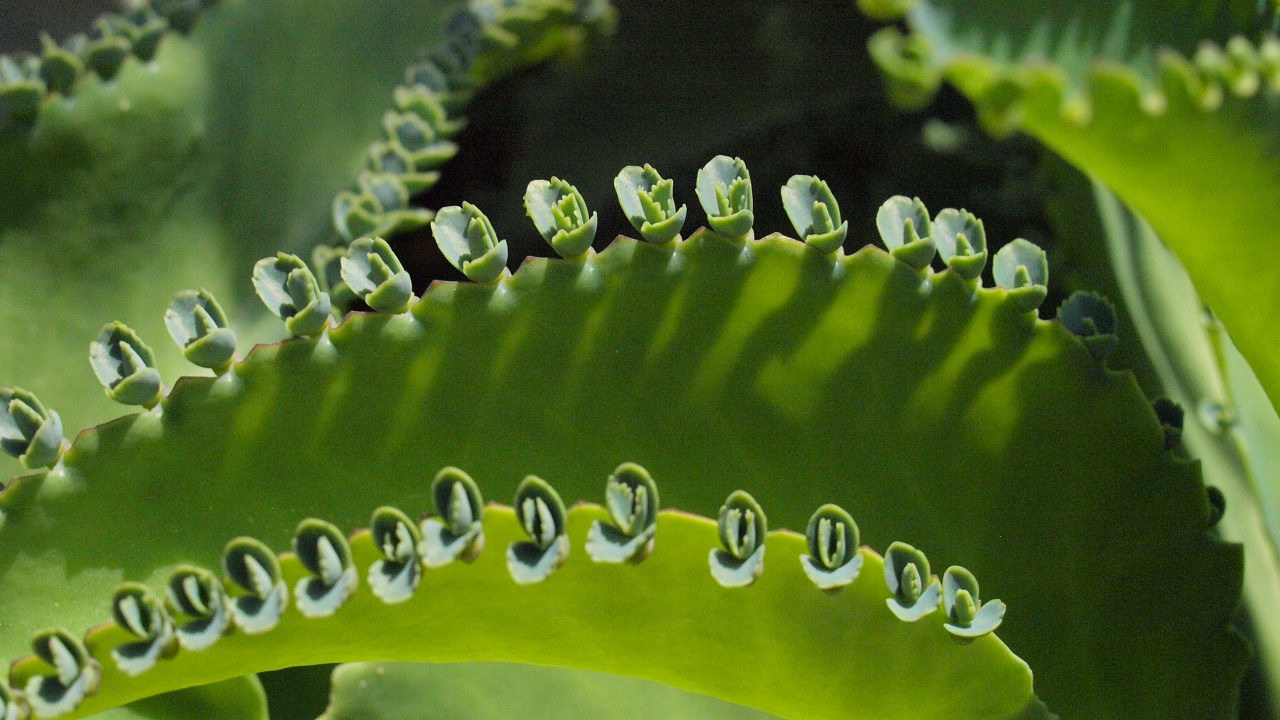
(235,699)
(969,428)
(498,691)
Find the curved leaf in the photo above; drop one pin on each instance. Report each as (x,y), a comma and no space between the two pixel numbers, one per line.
(972,430)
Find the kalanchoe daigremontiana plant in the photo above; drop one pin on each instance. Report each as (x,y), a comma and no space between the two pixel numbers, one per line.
(125,366)
(374,273)
(906,231)
(75,675)
(458,532)
(962,242)
(1022,269)
(197,323)
(814,212)
(28,430)
(561,216)
(543,517)
(649,203)
(468,241)
(968,617)
(1090,317)
(631,496)
(326,262)
(915,592)
(833,561)
(286,286)
(740,559)
(724,189)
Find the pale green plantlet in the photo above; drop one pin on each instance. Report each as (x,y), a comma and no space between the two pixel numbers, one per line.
(198,325)
(75,674)
(742,526)
(323,550)
(420,138)
(29,431)
(543,518)
(326,262)
(58,68)
(814,213)
(648,201)
(20,92)
(425,104)
(199,606)
(906,230)
(631,497)
(962,242)
(1022,269)
(262,594)
(286,286)
(1090,317)
(724,189)
(126,366)
(458,533)
(561,217)
(968,617)
(833,561)
(915,593)
(374,273)
(469,242)
(394,577)
(912,78)
(137,610)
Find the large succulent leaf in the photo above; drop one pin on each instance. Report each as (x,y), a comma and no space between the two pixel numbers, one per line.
(235,699)
(1192,146)
(496,691)
(1228,422)
(964,426)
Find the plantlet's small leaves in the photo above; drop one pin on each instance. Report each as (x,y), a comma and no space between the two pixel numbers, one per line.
(742,527)
(426,104)
(906,571)
(254,569)
(324,551)
(542,515)
(469,242)
(906,230)
(1090,317)
(326,260)
(11,706)
(137,610)
(76,674)
(197,323)
(967,616)
(649,204)
(395,576)
(419,138)
(631,496)
(724,189)
(814,213)
(125,366)
(286,286)
(1022,269)
(961,241)
(59,68)
(913,77)
(374,273)
(833,560)
(561,216)
(197,595)
(28,430)
(458,534)
(106,54)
